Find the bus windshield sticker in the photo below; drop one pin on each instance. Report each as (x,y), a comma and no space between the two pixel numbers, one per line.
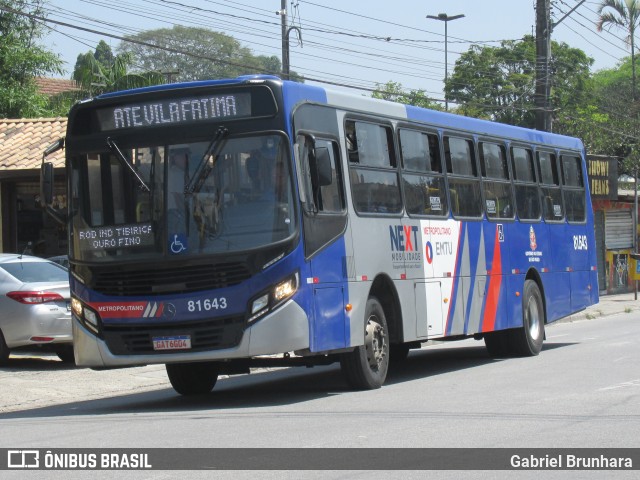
(175,111)
(120,236)
(178,243)
(435,203)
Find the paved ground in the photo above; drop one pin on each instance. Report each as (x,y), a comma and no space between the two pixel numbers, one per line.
(33,381)
(609,305)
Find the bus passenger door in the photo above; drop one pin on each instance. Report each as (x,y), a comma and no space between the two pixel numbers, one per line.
(324,223)
(428,297)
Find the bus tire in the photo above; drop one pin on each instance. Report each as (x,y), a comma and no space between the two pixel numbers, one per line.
(193,378)
(365,368)
(497,343)
(526,341)
(398,352)
(65,353)
(4,350)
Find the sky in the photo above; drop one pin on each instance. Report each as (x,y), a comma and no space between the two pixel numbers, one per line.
(357,43)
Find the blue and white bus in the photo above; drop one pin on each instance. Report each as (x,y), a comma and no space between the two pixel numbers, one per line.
(218,225)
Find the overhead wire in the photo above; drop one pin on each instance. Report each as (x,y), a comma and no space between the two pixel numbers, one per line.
(432,72)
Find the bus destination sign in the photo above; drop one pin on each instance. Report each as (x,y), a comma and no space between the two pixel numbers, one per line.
(175,111)
(120,236)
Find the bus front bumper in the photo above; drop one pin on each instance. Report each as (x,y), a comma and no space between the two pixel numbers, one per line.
(283,330)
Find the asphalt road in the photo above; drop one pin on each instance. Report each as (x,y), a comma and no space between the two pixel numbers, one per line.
(583,390)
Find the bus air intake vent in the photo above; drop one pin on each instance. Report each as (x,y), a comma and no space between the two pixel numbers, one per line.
(180,279)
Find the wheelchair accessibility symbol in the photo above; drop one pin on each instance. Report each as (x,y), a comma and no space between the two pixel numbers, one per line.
(179,243)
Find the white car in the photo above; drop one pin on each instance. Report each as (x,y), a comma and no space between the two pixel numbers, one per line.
(35,308)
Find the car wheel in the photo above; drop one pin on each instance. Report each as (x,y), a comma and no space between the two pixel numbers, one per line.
(65,353)
(365,368)
(4,351)
(193,378)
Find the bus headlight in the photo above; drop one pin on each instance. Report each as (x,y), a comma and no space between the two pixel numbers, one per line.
(76,306)
(260,304)
(87,317)
(285,289)
(269,300)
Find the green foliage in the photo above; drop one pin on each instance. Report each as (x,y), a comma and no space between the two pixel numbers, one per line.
(394,92)
(615,90)
(102,56)
(22,60)
(212,55)
(102,72)
(499,82)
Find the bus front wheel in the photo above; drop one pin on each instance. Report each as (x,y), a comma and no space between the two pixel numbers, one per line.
(365,368)
(527,340)
(4,350)
(193,378)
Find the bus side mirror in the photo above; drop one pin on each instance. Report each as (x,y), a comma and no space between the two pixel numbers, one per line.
(46,184)
(323,167)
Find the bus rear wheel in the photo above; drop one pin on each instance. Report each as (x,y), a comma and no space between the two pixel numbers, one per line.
(527,340)
(365,368)
(193,378)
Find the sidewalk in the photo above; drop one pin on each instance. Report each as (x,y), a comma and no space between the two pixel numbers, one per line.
(608,305)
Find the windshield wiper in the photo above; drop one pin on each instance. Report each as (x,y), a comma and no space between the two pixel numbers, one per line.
(126,163)
(204,169)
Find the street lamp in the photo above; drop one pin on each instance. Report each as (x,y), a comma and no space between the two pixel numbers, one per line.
(443,17)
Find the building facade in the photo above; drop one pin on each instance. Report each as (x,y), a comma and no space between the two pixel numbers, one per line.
(25,226)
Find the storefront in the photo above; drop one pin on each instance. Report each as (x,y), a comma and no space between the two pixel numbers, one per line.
(613,212)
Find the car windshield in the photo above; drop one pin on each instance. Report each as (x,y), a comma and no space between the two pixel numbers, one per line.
(29,272)
(227,194)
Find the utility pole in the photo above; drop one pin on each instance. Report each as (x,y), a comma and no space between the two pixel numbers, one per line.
(286,30)
(544,27)
(543,53)
(285,40)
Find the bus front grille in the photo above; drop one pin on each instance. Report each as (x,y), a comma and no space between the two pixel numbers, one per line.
(168,280)
(214,334)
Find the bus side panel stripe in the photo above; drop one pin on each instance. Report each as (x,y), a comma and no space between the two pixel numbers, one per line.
(495,282)
(447,330)
(477,282)
(455,320)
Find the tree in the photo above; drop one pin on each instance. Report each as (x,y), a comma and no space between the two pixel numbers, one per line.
(103,55)
(499,82)
(22,60)
(196,53)
(625,15)
(394,92)
(102,72)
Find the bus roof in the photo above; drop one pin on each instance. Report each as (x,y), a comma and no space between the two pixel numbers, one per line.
(295,92)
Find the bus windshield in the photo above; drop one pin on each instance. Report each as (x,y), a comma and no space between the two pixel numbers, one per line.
(228,194)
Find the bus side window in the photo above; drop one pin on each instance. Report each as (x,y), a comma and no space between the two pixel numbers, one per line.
(320,168)
(574,190)
(496,184)
(424,187)
(373,172)
(463,177)
(550,187)
(527,196)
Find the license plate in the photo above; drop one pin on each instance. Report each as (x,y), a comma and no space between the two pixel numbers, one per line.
(178,342)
